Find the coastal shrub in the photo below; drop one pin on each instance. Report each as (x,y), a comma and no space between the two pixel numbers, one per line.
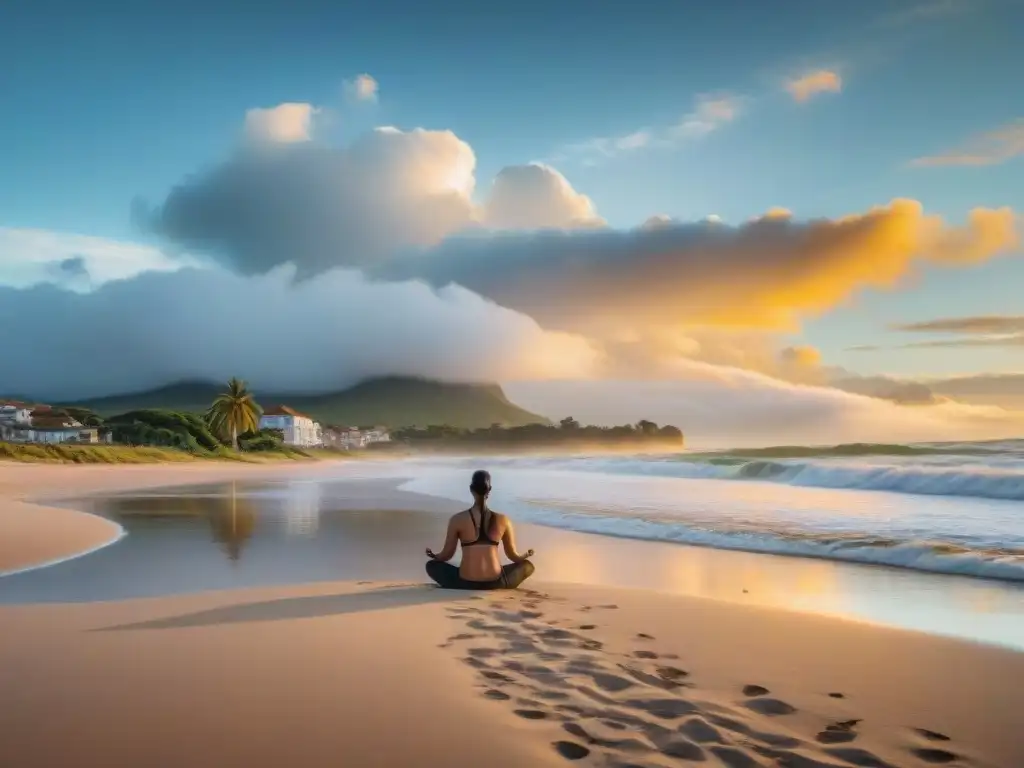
(152,426)
(90,454)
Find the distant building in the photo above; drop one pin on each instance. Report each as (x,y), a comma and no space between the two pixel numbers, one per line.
(351,438)
(298,428)
(21,424)
(14,413)
(375,434)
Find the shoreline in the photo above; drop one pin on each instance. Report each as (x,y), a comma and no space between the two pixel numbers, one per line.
(552,673)
(35,535)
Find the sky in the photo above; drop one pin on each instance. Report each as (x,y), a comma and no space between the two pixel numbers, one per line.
(574,179)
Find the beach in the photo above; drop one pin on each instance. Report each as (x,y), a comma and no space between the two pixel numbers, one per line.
(386,671)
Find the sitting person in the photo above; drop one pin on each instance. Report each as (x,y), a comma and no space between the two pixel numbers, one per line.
(479,530)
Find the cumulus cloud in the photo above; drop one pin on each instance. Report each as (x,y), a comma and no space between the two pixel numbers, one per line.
(402,206)
(537,196)
(404,267)
(812,84)
(319,206)
(731,407)
(361,88)
(280,334)
(283,124)
(990,148)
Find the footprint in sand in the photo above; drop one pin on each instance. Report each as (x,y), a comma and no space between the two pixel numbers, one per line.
(700,731)
(496,695)
(570,750)
(621,745)
(731,757)
(667,678)
(531,714)
(552,695)
(644,636)
(769,707)
(755,690)
(556,634)
(610,683)
(666,709)
(483,653)
(587,626)
(645,654)
(836,695)
(933,755)
(765,737)
(497,677)
(684,750)
(464,636)
(841,732)
(835,737)
(859,757)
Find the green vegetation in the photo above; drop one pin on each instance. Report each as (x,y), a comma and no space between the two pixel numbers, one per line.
(569,434)
(395,402)
(235,411)
(90,454)
(229,431)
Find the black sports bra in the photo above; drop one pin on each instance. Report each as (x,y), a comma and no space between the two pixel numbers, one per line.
(481,531)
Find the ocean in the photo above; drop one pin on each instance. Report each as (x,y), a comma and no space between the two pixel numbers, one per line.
(947,518)
(954,508)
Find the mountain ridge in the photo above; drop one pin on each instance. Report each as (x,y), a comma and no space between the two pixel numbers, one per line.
(392,401)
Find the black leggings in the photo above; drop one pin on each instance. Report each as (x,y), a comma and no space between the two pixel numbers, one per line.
(447,576)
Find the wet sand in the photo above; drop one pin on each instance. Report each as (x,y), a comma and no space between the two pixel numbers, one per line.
(34,533)
(398,673)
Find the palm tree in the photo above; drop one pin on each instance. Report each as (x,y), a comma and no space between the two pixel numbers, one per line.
(234,412)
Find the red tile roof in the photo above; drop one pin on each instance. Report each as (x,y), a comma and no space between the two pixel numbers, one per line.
(284,410)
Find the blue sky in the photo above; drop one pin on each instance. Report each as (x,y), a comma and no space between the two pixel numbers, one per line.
(102,106)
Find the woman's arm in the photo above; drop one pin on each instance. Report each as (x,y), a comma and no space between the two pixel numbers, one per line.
(451,542)
(508,541)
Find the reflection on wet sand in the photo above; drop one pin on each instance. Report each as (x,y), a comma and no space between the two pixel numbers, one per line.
(232,526)
(300,531)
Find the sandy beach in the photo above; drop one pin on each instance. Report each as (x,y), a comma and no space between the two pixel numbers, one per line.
(399,673)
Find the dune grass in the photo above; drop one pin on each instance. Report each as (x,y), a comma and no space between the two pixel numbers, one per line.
(126,454)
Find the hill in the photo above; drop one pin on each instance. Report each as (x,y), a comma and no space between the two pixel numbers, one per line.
(394,402)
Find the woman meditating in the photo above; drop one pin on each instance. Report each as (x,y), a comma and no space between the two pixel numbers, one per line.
(479,530)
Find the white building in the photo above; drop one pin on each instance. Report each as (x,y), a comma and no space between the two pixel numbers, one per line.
(351,438)
(15,414)
(21,424)
(298,428)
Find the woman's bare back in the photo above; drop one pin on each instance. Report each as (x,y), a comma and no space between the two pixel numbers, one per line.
(480,560)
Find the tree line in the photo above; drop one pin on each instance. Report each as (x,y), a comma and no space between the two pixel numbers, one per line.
(568,432)
(232,420)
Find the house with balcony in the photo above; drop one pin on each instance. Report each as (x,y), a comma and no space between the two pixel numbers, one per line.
(297,428)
